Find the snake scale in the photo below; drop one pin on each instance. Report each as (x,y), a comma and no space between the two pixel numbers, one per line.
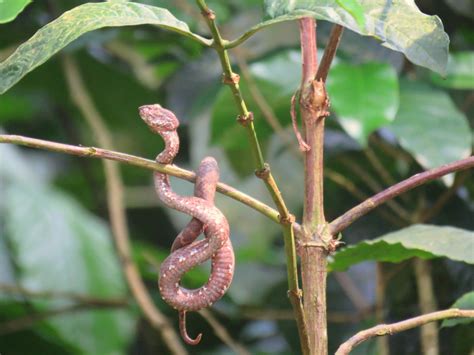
(186,251)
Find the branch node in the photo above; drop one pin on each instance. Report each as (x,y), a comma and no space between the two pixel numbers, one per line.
(233,79)
(208,14)
(263,173)
(315,99)
(288,219)
(245,120)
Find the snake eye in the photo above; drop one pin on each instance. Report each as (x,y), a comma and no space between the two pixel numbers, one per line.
(158,118)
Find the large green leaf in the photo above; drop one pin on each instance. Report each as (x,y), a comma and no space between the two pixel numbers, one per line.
(399,24)
(88,17)
(58,246)
(365,97)
(466,301)
(460,73)
(430,127)
(423,241)
(10,9)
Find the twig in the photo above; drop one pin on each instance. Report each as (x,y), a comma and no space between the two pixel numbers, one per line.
(260,101)
(427,304)
(329,52)
(92,152)
(282,314)
(383,347)
(368,205)
(373,184)
(433,210)
(263,171)
(118,219)
(352,291)
(389,329)
(21,323)
(78,298)
(348,185)
(245,116)
(222,333)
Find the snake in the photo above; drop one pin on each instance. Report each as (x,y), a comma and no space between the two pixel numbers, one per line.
(187,251)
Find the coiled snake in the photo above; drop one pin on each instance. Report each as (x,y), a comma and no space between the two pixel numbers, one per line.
(186,251)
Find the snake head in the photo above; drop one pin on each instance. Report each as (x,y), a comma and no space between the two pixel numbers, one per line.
(158,118)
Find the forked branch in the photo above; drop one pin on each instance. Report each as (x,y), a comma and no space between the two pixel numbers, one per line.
(368,205)
(389,329)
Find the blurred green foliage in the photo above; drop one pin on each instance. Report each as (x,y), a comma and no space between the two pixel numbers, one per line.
(54,234)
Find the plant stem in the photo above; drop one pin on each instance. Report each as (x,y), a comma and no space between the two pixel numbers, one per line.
(368,205)
(173,170)
(222,333)
(427,304)
(389,329)
(245,116)
(329,52)
(263,171)
(116,208)
(313,258)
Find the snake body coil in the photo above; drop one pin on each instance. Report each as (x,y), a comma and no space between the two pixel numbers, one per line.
(186,251)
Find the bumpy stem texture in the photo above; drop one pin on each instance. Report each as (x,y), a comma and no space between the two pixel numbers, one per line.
(187,252)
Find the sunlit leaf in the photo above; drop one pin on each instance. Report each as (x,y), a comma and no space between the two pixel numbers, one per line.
(87,17)
(429,126)
(460,73)
(399,25)
(10,9)
(423,241)
(466,301)
(365,97)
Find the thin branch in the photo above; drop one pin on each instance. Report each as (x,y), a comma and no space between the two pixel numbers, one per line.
(389,329)
(267,111)
(116,208)
(427,303)
(350,187)
(373,184)
(282,314)
(173,170)
(15,325)
(72,296)
(329,52)
(433,210)
(381,281)
(245,117)
(222,333)
(368,205)
(263,171)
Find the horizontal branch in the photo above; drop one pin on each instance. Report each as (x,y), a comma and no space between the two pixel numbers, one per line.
(72,296)
(389,329)
(368,205)
(173,170)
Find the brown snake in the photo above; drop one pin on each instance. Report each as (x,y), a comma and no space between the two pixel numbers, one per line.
(186,251)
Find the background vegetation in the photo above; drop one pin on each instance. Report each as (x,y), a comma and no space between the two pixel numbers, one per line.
(390,119)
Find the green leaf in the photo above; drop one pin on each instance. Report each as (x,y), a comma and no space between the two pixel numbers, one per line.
(10,9)
(430,127)
(460,73)
(466,301)
(421,240)
(398,24)
(85,18)
(59,246)
(365,97)
(355,9)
